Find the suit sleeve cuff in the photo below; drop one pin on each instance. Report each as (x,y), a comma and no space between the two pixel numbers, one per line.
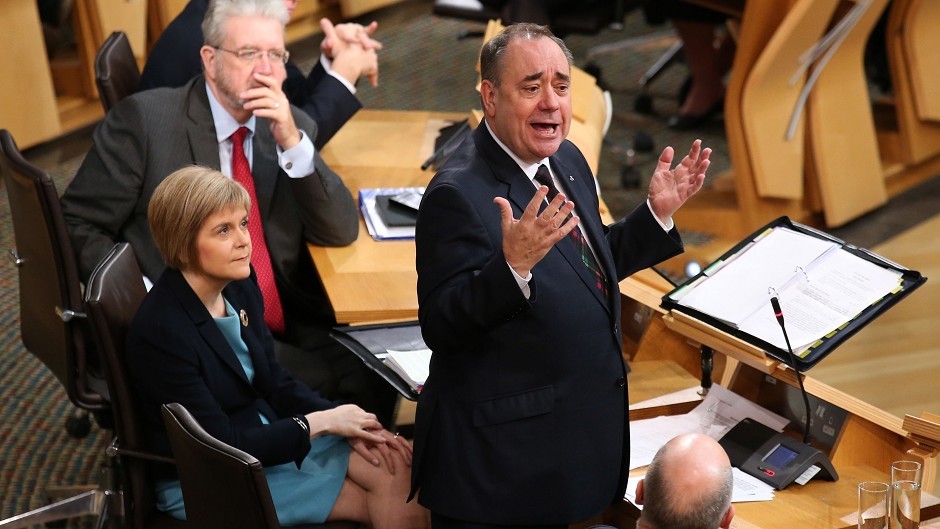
(668,225)
(523,282)
(297,161)
(327,65)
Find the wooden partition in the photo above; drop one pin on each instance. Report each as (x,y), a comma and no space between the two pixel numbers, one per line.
(837,160)
(27,99)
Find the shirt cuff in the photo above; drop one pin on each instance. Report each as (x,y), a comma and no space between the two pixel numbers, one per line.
(297,161)
(327,65)
(668,225)
(523,282)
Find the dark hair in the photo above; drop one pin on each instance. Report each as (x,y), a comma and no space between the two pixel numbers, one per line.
(491,56)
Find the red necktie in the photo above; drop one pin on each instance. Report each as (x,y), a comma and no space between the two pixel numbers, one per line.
(543,177)
(260,258)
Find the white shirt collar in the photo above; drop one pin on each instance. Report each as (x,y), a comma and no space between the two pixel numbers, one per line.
(528,169)
(225,124)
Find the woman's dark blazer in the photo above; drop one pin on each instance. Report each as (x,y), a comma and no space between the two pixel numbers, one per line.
(176,353)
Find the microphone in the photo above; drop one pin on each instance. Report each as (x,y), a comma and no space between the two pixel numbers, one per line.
(778,313)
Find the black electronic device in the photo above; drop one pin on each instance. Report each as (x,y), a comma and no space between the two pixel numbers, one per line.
(773,457)
(394,214)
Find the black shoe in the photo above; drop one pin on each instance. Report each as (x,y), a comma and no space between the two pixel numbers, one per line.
(684,122)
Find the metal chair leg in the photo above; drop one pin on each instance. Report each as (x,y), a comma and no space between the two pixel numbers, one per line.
(84,504)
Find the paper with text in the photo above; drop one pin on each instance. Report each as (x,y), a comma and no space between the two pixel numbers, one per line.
(718,413)
(412,366)
(820,286)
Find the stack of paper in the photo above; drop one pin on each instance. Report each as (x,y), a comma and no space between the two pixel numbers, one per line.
(375,225)
(717,414)
(411,366)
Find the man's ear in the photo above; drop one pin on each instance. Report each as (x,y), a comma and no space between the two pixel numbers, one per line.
(726,521)
(208,55)
(639,493)
(488,95)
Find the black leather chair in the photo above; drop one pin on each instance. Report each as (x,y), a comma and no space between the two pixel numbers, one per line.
(116,71)
(207,466)
(52,313)
(112,296)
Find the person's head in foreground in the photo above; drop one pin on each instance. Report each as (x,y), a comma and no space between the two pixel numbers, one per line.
(687,486)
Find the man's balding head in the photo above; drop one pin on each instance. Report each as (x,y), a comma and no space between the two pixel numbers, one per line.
(687,486)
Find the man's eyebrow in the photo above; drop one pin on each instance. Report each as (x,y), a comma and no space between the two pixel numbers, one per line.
(533,77)
(538,75)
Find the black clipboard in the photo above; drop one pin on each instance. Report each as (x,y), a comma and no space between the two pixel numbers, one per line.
(910,281)
(367,341)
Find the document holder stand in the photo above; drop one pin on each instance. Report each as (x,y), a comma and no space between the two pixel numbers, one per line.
(754,350)
(372,342)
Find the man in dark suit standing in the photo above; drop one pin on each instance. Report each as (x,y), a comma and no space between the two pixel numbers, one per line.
(235,119)
(327,94)
(523,420)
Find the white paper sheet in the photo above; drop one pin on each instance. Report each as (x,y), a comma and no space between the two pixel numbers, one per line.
(717,414)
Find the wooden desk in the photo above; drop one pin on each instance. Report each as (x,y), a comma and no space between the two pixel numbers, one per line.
(376,280)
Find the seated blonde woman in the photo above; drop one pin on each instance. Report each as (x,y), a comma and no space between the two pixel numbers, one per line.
(199,339)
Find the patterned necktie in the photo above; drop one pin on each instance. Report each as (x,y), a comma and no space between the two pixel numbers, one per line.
(260,258)
(543,177)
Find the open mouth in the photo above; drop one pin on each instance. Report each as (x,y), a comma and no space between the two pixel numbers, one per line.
(545,129)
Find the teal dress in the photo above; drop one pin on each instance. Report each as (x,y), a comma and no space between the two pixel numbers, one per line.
(301,495)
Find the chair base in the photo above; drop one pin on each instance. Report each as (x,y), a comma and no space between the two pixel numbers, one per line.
(95,502)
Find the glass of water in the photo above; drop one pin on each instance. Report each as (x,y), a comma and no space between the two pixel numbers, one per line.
(873,505)
(905,496)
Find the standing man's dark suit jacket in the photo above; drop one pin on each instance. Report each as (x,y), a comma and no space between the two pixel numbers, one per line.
(174,60)
(176,353)
(523,419)
(151,134)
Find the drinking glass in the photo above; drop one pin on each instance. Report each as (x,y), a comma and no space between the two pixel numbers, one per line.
(873,505)
(906,471)
(905,494)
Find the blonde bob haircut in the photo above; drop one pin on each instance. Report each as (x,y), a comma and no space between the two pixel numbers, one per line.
(182,203)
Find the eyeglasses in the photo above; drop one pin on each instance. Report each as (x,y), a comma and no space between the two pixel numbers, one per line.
(253,55)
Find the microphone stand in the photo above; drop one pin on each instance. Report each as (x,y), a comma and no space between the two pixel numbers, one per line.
(778,312)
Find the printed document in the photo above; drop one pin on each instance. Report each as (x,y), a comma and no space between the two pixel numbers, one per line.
(718,413)
(820,287)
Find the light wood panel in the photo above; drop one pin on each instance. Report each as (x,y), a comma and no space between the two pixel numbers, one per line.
(846,167)
(354,8)
(27,102)
(894,363)
(918,139)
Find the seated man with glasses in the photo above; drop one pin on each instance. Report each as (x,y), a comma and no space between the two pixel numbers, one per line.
(237,119)
(327,94)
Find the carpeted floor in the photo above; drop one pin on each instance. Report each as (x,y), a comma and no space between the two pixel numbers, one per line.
(423,66)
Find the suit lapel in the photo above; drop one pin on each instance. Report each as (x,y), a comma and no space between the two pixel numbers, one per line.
(235,294)
(200,129)
(264,166)
(204,323)
(521,191)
